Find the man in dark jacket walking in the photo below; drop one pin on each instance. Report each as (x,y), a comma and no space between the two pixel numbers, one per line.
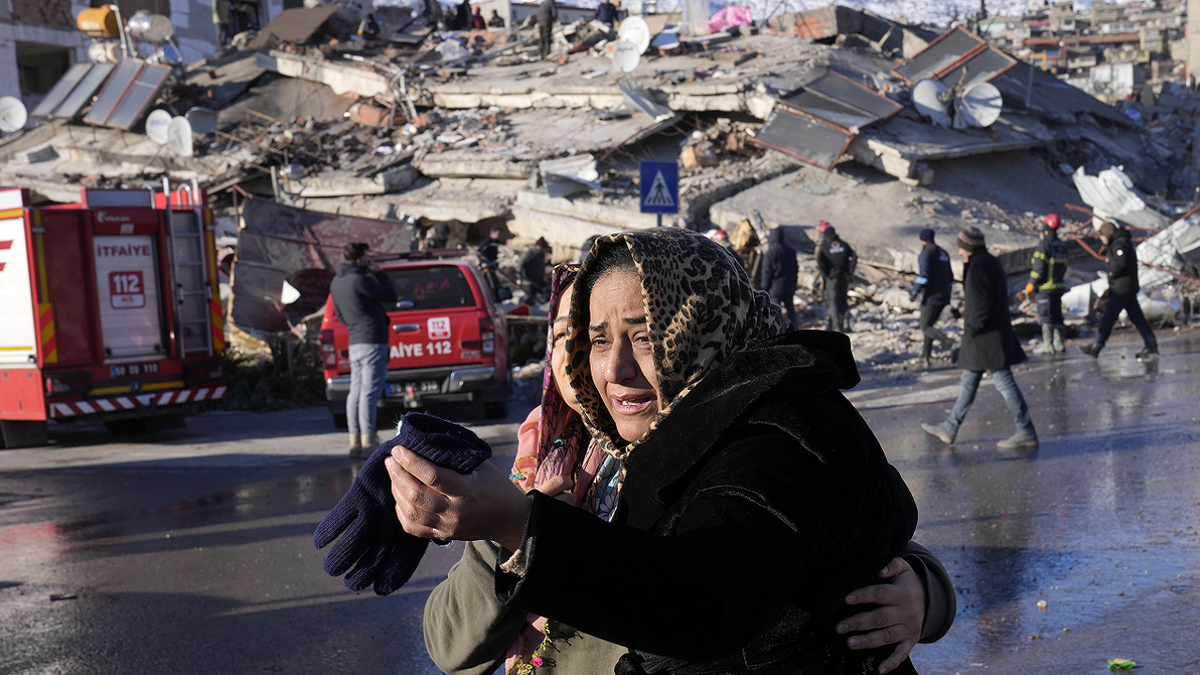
(547,15)
(837,262)
(935,280)
(779,272)
(1046,280)
(989,344)
(362,295)
(1123,288)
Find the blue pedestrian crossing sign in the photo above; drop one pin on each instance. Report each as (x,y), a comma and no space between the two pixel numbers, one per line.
(660,187)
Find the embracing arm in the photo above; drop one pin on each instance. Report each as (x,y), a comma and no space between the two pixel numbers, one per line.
(467,629)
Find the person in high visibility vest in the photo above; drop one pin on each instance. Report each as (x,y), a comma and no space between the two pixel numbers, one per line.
(1046,281)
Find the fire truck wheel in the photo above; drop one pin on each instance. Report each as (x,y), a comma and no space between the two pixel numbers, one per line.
(495,410)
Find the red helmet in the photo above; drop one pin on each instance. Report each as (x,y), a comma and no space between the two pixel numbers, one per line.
(822,226)
(1052,221)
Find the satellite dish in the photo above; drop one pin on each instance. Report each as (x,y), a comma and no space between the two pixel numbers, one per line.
(203,120)
(179,137)
(930,99)
(153,27)
(981,104)
(635,29)
(157,123)
(13,115)
(626,56)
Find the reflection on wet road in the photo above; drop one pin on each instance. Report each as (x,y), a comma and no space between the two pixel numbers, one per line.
(1101,523)
(191,552)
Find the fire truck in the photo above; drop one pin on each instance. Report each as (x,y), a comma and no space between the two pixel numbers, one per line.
(109,311)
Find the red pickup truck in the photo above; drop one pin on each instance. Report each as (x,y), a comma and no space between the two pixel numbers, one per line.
(448,340)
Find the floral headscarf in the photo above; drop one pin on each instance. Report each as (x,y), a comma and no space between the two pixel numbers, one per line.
(700,306)
(559,428)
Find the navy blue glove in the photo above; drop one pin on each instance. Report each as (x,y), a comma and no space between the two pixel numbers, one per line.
(372,542)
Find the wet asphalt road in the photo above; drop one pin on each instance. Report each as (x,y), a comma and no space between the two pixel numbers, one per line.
(191,552)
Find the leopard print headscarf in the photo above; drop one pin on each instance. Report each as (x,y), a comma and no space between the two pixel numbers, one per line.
(700,309)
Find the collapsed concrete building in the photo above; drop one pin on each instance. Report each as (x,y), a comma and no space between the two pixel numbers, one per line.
(421,129)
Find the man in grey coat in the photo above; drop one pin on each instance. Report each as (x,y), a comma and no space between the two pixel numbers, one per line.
(362,295)
(989,344)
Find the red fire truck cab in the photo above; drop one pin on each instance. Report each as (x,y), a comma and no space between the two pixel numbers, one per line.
(110,311)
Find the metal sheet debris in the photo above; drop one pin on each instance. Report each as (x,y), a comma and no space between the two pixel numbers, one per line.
(570,175)
(639,97)
(838,99)
(804,137)
(941,55)
(293,25)
(1111,195)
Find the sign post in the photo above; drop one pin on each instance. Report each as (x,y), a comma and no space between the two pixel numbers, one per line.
(659,188)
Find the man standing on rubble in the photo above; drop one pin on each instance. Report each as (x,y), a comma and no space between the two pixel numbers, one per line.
(533,272)
(606,13)
(779,270)
(989,344)
(489,254)
(1046,281)
(496,21)
(837,263)
(435,15)
(547,15)
(1122,266)
(935,281)
(362,295)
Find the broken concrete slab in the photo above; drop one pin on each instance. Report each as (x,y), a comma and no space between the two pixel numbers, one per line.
(277,242)
(342,184)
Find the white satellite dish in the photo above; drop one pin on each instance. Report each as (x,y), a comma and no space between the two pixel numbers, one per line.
(13,114)
(179,137)
(203,120)
(635,29)
(981,104)
(929,98)
(157,123)
(626,56)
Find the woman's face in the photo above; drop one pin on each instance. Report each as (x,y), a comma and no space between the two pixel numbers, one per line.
(558,357)
(622,359)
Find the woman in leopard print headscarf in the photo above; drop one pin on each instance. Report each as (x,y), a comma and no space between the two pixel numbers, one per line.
(752,496)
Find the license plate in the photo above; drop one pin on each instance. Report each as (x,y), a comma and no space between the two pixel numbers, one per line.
(425,387)
(132,369)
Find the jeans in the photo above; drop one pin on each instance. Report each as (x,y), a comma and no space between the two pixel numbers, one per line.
(789,308)
(836,302)
(368,374)
(1129,303)
(929,317)
(1049,308)
(1005,384)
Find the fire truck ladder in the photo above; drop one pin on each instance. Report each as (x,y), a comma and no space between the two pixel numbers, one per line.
(188,265)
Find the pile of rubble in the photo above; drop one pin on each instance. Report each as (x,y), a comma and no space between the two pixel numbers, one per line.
(471,129)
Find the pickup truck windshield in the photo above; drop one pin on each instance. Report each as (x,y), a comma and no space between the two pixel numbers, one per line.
(433,287)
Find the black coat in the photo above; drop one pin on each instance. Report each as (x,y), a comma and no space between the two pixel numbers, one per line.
(989,341)
(1122,264)
(835,258)
(361,302)
(779,267)
(745,518)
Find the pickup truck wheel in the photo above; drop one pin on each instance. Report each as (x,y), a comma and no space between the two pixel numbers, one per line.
(495,410)
(339,421)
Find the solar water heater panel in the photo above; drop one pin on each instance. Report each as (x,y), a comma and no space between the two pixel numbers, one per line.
(82,93)
(140,96)
(59,92)
(114,91)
